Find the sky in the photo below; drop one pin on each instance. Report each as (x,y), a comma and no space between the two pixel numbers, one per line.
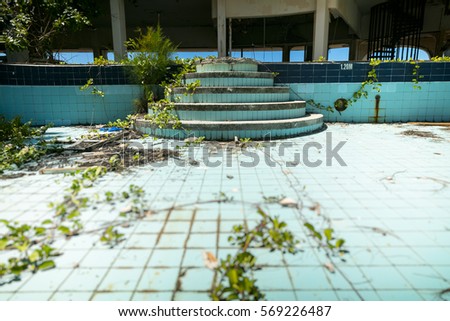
(334,54)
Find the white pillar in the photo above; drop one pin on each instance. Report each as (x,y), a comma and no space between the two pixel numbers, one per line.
(119,29)
(221,28)
(321,26)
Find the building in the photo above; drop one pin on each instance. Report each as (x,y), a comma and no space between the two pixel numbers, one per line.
(314,26)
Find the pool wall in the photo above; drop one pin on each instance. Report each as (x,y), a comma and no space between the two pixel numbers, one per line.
(400,99)
(51,93)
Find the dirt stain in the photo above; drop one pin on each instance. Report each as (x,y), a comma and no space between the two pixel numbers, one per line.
(419,133)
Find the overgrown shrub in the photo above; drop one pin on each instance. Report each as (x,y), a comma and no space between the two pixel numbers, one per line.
(151,58)
(13,147)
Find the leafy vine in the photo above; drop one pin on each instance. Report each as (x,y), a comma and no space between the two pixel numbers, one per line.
(371,80)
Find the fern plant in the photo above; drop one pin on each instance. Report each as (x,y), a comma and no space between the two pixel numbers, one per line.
(151,58)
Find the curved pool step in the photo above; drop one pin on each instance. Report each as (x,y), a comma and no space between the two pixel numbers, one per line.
(231,79)
(227,130)
(231,94)
(242,111)
(205,66)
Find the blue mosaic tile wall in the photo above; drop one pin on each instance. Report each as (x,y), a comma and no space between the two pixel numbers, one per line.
(355,72)
(63,75)
(67,105)
(400,100)
(51,94)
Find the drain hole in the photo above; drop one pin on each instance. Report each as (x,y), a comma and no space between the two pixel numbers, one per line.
(341,104)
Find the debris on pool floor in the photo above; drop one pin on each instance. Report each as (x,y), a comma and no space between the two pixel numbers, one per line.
(380,189)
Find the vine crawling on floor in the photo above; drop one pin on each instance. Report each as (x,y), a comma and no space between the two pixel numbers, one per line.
(31,245)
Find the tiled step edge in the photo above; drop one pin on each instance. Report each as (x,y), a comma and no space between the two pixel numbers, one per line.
(229,74)
(234,90)
(241,106)
(227,130)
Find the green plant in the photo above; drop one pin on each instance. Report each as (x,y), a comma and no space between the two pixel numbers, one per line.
(67,213)
(416,75)
(224,198)
(163,114)
(152,57)
(245,140)
(372,80)
(111,236)
(95,91)
(15,148)
(127,123)
(115,163)
(101,61)
(136,210)
(327,240)
(191,87)
(39,25)
(440,59)
(273,199)
(32,245)
(183,67)
(320,59)
(193,141)
(236,279)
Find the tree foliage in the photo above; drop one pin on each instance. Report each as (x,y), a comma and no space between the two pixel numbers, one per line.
(152,57)
(37,24)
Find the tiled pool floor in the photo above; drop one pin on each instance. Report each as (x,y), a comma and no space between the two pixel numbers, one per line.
(391,204)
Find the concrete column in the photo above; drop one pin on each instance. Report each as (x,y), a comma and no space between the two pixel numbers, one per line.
(308,53)
(221,28)
(354,46)
(119,30)
(286,54)
(321,26)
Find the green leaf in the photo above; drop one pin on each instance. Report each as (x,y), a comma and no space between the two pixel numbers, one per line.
(328,233)
(46,265)
(73,214)
(233,277)
(3,244)
(309,227)
(40,230)
(318,235)
(34,256)
(17,269)
(47,250)
(22,247)
(340,243)
(65,230)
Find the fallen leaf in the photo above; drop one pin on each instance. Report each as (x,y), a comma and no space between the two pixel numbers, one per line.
(193,162)
(126,209)
(210,260)
(288,202)
(330,267)
(316,208)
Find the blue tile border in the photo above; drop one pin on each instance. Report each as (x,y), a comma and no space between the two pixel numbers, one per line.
(355,72)
(63,75)
(330,72)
